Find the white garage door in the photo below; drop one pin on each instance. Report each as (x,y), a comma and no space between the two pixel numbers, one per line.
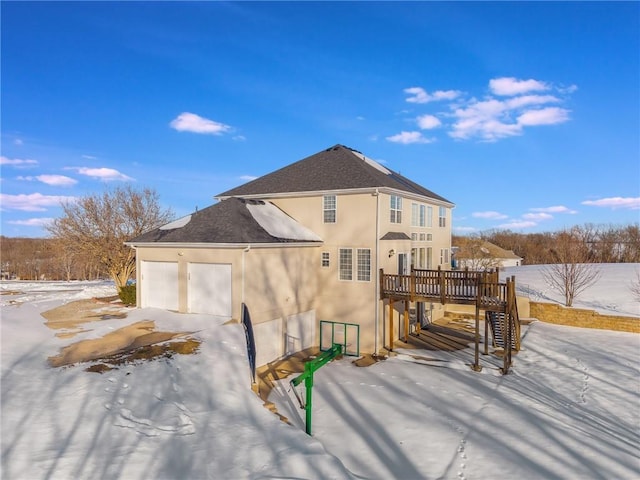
(159,285)
(209,289)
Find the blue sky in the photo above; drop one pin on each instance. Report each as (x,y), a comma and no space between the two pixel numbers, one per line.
(525,115)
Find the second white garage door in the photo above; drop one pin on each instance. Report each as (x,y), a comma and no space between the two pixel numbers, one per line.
(209,289)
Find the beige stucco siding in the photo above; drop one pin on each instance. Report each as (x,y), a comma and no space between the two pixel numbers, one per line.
(272,281)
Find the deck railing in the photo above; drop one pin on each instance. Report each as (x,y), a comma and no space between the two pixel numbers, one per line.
(446,286)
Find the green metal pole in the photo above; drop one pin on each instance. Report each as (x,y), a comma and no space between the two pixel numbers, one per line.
(308,383)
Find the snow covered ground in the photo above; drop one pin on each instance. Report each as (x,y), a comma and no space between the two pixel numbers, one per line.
(570,409)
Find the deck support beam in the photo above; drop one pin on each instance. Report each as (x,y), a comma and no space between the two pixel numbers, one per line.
(406,321)
(476,365)
(391,324)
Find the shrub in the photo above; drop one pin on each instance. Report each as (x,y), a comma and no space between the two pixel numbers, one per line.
(128,294)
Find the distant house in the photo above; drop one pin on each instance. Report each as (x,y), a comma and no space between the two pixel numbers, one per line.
(477,254)
(298,246)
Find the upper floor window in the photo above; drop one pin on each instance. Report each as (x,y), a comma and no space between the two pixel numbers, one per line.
(418,213)
(329,208)
(442,217)
(429,216)
(396,209)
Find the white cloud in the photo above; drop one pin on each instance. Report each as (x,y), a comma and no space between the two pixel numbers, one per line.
(464,229)
(632,203)
(490,215)
(508,86)
(190,122)
(536,217)
(247,178)
(554,209)
(103,173)
(427,122)
(526,100)
(409,137)
(239,138)
(492,119)
(89,157)
(18,142)
(518,224)
(34,202)
(17,162)
(513,106)
(419,95)
(55,180)
(544,116)
(32,222)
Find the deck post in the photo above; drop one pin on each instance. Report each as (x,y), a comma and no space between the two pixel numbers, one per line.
(406,321)
(381,283)
(486,335)
(391,324)
(476,365)
(442,283)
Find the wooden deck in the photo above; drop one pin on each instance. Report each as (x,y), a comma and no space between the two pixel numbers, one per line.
(481,289)
(447,287)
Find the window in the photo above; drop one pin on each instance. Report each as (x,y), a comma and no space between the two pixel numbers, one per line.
(442,217)
(444,256)
(421,261)
(414,237)
(429,237)
(422,237)
(364,265)
(429,257)
(429,216)
(346,264)
(329,208)
(396,209)
(325,259)
(418,213)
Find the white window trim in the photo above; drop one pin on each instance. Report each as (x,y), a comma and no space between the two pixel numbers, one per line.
(397,210)
(334,209)
(340,264)
(357,266)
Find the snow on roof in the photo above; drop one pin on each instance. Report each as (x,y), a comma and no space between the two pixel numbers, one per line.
(371,162)
(279,224)
(181,222)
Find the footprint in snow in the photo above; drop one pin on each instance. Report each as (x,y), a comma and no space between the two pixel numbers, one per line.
(175,421)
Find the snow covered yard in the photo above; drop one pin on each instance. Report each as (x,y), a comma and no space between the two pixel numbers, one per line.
(570,408)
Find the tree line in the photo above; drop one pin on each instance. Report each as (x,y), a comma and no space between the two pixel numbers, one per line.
(595,243)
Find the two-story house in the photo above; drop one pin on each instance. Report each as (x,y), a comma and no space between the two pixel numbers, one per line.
(299,245)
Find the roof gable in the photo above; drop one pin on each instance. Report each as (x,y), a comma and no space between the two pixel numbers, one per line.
(333,169)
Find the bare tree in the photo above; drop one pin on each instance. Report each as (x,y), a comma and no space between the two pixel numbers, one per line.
(98,225)
(571,273)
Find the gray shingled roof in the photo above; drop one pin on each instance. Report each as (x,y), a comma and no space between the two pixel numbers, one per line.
(336,168)
(395,236)
(231,221)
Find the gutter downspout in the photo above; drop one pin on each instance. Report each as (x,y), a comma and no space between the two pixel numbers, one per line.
(376,302)
(244,251)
